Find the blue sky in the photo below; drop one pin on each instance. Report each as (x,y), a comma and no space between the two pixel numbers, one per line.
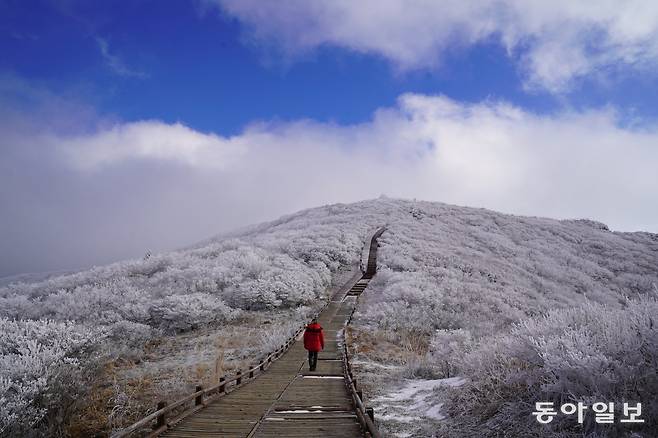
(195,64)
(151,107)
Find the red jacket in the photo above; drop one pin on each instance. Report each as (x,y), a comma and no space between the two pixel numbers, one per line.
(313,337)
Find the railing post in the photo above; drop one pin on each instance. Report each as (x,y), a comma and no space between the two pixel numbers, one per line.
(199,398)
(360,395)
(371,413)
(161,420)
(239,379)
(222,388)
(251,372)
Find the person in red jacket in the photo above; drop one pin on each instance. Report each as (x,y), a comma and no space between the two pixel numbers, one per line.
(313,342)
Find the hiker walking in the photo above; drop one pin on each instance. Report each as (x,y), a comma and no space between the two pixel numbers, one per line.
(313,342)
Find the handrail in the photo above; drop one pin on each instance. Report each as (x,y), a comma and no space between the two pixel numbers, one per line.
(199,395)
(365,252)
(364,415)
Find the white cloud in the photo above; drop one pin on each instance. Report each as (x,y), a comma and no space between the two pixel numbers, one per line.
(115,63)
(149,140)
(119,189)
(554,42)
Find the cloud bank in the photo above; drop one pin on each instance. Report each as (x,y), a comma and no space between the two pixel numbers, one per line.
(115,189)
(555,43)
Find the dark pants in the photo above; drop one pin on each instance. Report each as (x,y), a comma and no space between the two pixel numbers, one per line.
(312,360)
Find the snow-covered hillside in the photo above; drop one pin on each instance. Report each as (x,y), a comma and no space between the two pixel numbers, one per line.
(59,334)
(525,309)
(460,292)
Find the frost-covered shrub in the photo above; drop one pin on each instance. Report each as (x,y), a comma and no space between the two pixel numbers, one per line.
(446,346)
(177,313)
(284,264)
(43,369)
(407,301)
(130,335)
(441,267)
(273,338)
(456,278)
(587,354)
(445,267)
(420,368)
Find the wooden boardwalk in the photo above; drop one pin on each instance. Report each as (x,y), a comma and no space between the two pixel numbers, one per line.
(287,400)
(282,399)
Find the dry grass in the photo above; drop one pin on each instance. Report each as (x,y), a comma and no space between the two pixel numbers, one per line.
(167,368)
(109,404)
(381,361)
(386,346)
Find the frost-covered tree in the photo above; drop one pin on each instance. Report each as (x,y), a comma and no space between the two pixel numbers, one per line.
(592,353)
(44,366)
(453,281)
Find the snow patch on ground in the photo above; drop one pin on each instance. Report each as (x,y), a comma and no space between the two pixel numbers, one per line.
(372,364)
(414,400)
(323,377)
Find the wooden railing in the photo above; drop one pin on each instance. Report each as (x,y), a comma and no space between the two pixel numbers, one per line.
(202,396)
(367,247)
(365,415)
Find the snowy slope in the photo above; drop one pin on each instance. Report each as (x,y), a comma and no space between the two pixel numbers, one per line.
(526,309)
(449,277)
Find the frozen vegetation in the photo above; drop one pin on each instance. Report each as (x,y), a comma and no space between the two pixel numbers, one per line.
(525,309)
(58,334)
(519,309)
